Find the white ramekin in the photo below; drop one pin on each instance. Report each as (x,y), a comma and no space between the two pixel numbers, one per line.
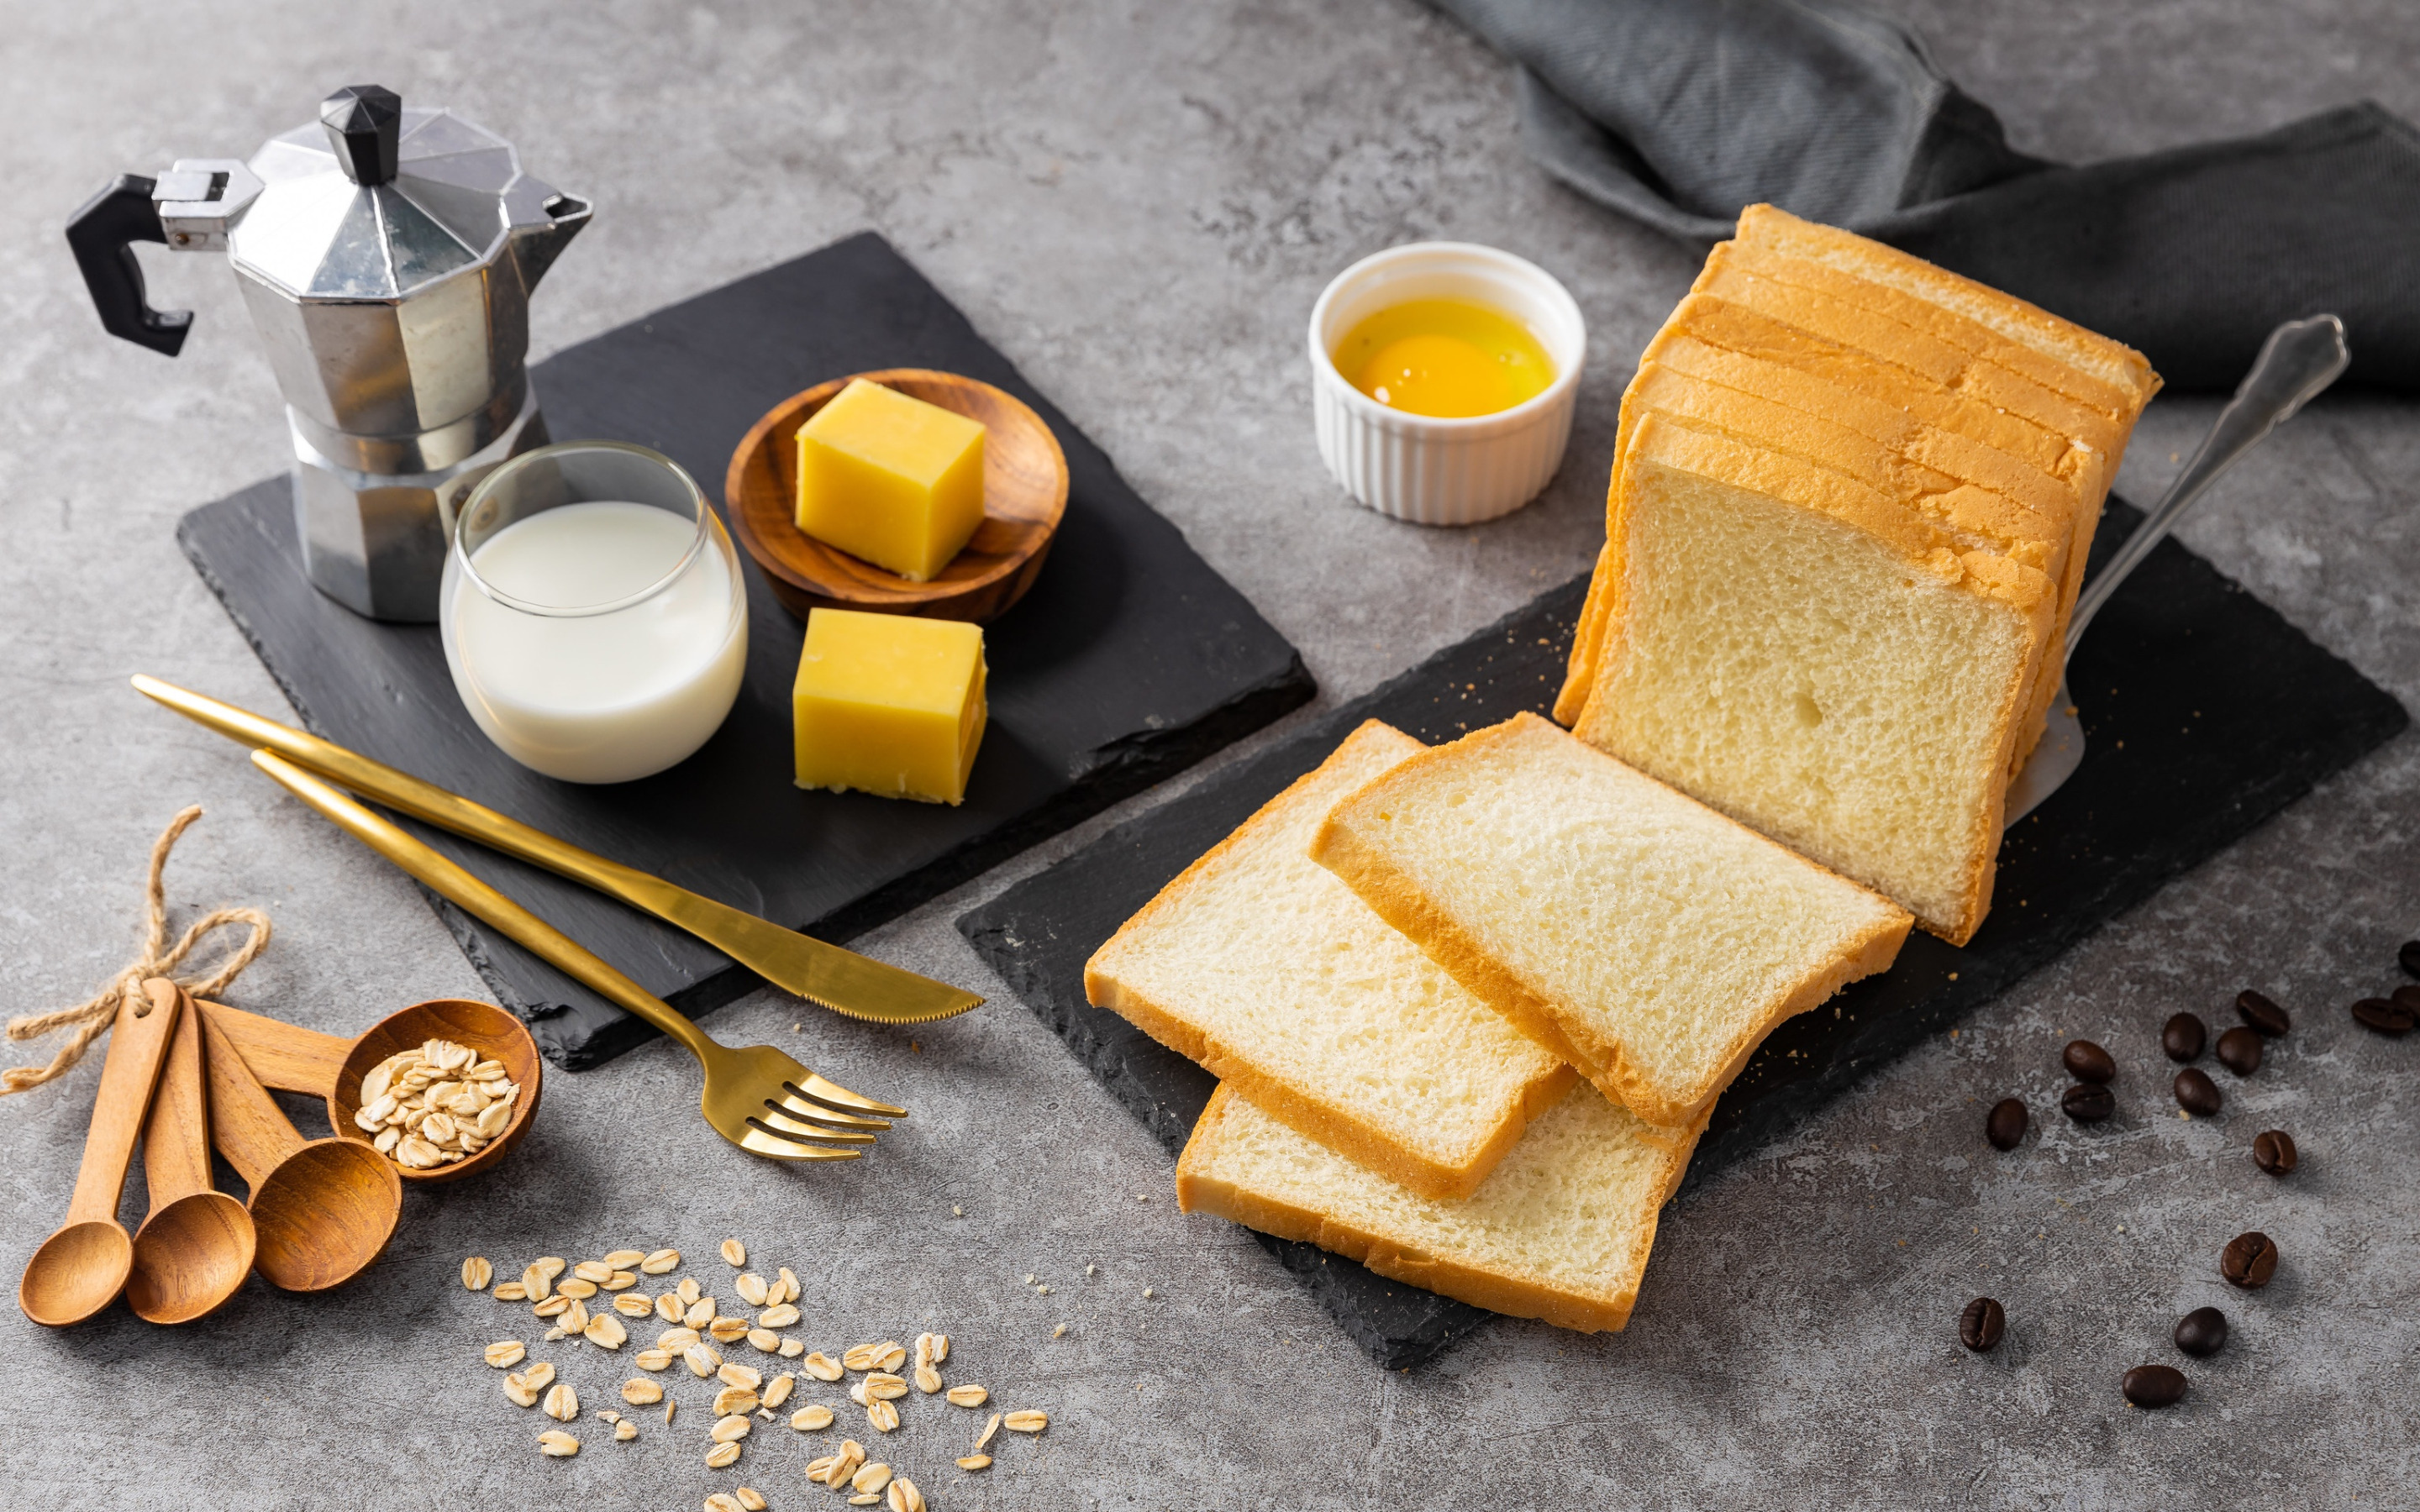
(1444,472)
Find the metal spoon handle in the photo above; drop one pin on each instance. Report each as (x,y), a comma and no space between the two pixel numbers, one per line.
(2296,364)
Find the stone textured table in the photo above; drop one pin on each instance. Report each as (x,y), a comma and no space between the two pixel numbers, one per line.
(1138,204)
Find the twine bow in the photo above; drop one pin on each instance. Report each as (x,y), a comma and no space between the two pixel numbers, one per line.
(92,1017)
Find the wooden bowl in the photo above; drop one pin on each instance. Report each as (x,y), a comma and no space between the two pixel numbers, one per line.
(490,1030)
(1025,493)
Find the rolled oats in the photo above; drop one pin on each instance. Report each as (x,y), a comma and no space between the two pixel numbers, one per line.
(780,1315)
(476,1273)
(676,1339)
(723,1502)
(641,1392)
(562,1402)
(510,1291)
(905,1497)
(871,1478)
(605,1331)
(658,1359)
(549,1266)
(732,1427)
(722,1455)
(928,1380)
(989,1429)
(735,1254)
(884,1386)
(741,1374)
(701,1313)
(660,1262)
(689,1290)
(810,1419)
(732,1400)
(630,1304)
(701,1360)
(577,1286)
(536,1284)
(553,1306)
(623,1259)
(1025,1422)
(975,1462)
(777,1391)
(592,1270)
(556,1444)
(748,1500)
(822,1366)
(882,1416)
(751,1287)
(669,1308)
(620,1281)
(504,1354)
(728,1330)
(792,1349)
(626,1431)
(968,1395)
(765,1339)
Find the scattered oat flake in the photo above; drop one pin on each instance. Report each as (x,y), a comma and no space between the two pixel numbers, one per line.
(905,1497)
(562,1403)
(504,1354)
(510,1291)
(660,1261)
(741,1374)
(626,1431)
(989,1429)
(778,1390)
(750,1501)
(592,1271)
(641,1392)
(1059,1333)
(822,1366)
(968,1395)
(732,1426)
(1025,1422)
(928,1380)
(556,1444)
(975,1462)
(735,1253)
(623,1259)
(722,1456)
(884,1416)
(476,1273)
(723,1502)
(871,1478)
(810,1419)
(792,1349)
(669,1408)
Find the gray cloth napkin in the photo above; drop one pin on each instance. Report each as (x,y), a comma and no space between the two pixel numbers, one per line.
(1681,112)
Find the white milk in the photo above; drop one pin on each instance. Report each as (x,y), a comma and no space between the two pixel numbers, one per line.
(598,698)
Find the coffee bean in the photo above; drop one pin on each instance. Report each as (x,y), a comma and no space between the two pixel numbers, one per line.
(1982,1324)
(2273,1153)
(2202,1333)
(2088,1103)
(2087,1062)
(2261,1013)
(2007,1123)
(2196,1093)
(2249,1260)
(2183,1038)
(2239,1051)
(2153,1385)
(2384,1015)
(2406,996)
(2410,956)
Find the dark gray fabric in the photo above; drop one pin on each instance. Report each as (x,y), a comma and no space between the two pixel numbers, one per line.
(1679,113)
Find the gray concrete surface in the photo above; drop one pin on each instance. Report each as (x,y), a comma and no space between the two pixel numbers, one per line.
(1138,204)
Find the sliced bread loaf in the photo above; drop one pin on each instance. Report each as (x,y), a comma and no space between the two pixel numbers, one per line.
(1263,966)
(1794,650)
(1645,937)
(1560,1230)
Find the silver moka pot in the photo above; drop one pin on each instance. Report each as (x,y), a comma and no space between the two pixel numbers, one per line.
(387,256)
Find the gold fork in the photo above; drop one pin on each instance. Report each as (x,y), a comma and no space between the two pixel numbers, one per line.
(759,1098)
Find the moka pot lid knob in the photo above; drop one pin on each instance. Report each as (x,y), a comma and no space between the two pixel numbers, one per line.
(364,123)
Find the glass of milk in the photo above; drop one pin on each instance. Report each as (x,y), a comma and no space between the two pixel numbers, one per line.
(593,611)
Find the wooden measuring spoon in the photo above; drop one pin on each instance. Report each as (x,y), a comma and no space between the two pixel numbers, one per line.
(321,1209)
(81,1268)
(192,1252)
(295,1059)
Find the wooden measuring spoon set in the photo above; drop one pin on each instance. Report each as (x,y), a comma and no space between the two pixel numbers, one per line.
(186,1076)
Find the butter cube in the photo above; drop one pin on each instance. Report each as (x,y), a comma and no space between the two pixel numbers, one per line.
(889,705)
(892,479)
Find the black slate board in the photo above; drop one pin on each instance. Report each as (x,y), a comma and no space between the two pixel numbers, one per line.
(1130,660)
(2205,713)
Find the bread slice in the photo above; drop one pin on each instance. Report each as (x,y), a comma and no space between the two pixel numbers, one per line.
(1560,1231)
(1263,966)
(1794,650)
(1648,940)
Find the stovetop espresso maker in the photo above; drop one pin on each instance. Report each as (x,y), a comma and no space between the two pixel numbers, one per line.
(387,256)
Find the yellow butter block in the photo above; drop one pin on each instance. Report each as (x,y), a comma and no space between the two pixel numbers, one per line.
(892,479)
(889,705)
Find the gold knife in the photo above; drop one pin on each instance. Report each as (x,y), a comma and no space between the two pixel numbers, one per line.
(850,984)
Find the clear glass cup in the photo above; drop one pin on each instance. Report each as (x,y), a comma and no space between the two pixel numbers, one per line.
(593,611)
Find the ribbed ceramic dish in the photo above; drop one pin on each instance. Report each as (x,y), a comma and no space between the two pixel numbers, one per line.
(1444,472)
